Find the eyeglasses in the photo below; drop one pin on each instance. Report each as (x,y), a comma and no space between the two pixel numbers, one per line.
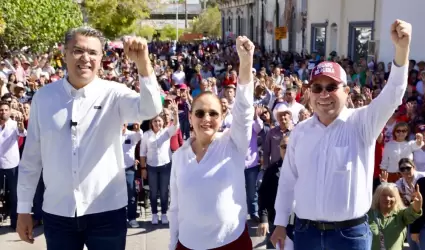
(398,131)
(317,88)
(283,146)
(405,169)
(200,113)
(78,53)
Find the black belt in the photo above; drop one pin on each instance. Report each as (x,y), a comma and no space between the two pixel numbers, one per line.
(323,226)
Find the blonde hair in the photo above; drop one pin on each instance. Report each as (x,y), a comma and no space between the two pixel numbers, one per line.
(398,205)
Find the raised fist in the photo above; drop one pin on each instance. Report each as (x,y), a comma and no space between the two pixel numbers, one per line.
(401,34)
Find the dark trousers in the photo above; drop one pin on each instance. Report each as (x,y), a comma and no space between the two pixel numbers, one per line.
(242,243)
(11,184)
(101,231)
(159,180)
(131,192)
(185,127)
(37,208)
(251,175)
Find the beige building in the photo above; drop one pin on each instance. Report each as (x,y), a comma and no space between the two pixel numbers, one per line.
(355,29)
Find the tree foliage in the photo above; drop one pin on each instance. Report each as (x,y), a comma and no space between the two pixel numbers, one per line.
(116,17)
(37,23)
(209,22)
(169,32)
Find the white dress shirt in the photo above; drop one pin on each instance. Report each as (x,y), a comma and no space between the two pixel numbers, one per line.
(419,160)
(129,143)
(9,149)
(208,200)
(156,147)
(394,151)
(329,170)
(295,109)
(83,165)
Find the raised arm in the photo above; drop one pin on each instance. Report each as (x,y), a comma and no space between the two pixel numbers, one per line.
(173,211)
(374,117)
(243,109)
(133,106)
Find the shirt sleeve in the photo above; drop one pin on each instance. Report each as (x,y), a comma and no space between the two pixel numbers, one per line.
(372,118)
(30,165)
(385,163)
(243,116)
(173,211)
(285,191)
(138,107)
(144,145)
(23,134)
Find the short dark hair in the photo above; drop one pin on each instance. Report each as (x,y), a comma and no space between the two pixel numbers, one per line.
(86,31)
(4,103)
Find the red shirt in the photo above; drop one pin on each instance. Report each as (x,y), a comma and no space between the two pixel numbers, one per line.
(176,141)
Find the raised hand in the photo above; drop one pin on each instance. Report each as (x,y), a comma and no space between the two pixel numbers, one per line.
(401,34)
(419,139)
(417,200)
(136,48)
(383,176)
(245,50)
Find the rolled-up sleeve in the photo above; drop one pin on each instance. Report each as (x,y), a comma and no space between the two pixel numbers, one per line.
(139,107)
(30,165)
(371,119)
(243,117)
(288,177)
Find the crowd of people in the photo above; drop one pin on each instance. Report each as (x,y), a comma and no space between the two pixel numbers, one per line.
(224,105)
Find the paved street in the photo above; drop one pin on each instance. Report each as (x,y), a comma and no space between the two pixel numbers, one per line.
(147,237)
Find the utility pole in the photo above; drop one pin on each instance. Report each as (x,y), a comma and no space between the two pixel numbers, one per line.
(177,20)
(185,14)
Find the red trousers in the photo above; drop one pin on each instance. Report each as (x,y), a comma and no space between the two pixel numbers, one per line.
(242,243)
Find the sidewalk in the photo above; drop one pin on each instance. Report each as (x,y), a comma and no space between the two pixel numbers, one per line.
(146,237)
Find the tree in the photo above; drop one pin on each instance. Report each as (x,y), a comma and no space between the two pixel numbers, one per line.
(209,22)
(145,31)
(116,17)
(37,23)
(168,32)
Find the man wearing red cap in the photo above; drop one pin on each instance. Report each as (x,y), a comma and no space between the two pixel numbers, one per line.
(328,168)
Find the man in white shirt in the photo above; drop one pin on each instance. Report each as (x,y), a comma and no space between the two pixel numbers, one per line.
(10,131)
(292,104)
(329,163)
(74,136)
(179,76)
(129,142)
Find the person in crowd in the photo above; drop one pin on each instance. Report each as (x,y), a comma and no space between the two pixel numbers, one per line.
(252,167)
(271,149)
(184,101)
(155,161)
(74,139)
(407,187)
(129,141)
(10,131)
(227,116)
(304,114)
(176,141)
(419,155)
(229,94)
(333,171)
(399,148)
(292,105)
(208,201)
(388,216)
(267,197)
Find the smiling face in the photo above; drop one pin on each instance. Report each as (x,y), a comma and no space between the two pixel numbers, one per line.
(387,199)
(328,98)
(206,116)
(83,57)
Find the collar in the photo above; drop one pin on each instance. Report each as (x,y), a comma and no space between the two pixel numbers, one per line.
(87,90)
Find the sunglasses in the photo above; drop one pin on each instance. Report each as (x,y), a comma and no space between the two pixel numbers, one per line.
(200,113)
(405,169)
(401,131)
(317,88)
(283,146)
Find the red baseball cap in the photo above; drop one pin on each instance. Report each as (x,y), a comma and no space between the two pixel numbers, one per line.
(329,69)
(182,86)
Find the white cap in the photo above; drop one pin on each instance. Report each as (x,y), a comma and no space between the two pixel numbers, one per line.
(279,108)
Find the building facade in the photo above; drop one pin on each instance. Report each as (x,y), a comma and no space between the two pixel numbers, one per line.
(351,28)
